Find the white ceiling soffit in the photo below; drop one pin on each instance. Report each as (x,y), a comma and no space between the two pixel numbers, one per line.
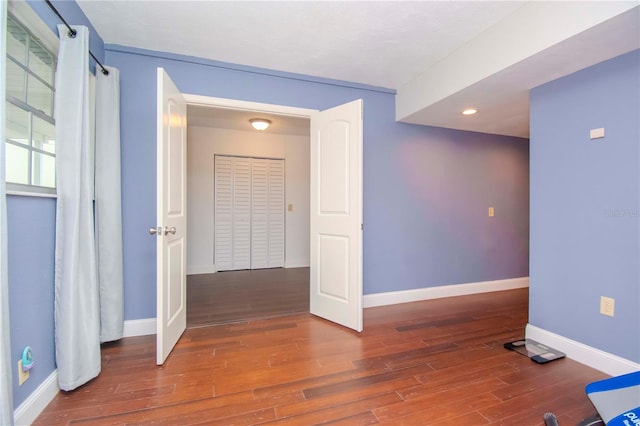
(442,56)
(235,119)
(494,72)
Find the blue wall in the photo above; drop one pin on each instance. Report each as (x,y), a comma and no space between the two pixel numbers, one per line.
(426,190)
(585,202)
(31,242)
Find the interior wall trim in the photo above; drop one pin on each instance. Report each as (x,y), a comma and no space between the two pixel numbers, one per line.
(427,293)
(139,327)
(201,269)
(608,363)
(30,409)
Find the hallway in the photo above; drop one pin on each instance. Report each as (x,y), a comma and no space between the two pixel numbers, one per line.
(238,296)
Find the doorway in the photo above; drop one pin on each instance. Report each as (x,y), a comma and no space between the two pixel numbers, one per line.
(239,296)
(215,297)
(335,219)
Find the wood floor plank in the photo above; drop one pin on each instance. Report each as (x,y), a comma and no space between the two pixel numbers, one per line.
(420,398)
(436,362)
(340,411)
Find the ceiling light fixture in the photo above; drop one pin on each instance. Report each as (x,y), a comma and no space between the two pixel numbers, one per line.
(469,111)
(260,123)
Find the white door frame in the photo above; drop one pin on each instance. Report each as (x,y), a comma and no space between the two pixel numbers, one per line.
(247,106)
(253,107)
(257,107)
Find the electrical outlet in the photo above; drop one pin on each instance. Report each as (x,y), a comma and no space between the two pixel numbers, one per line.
(23,376)
(491,212)
(607,305)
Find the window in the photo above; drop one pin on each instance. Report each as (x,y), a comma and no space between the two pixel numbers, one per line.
(30,126)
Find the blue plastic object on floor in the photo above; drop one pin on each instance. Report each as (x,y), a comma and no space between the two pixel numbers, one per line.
(617,399)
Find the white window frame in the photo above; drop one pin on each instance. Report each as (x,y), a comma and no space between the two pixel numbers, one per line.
(24,14)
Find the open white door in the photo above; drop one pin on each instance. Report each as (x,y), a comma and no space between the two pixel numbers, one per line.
(172,216)
(336,215)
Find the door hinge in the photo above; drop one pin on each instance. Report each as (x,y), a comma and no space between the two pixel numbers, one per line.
(362,226)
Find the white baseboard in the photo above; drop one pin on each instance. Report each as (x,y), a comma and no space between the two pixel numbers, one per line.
(211,269)
(201,269)
(296,263)
(140,327)
(415,295)
(31,408)
(610,364)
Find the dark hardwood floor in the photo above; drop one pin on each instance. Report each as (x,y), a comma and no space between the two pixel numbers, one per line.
(236,296)
(438,362)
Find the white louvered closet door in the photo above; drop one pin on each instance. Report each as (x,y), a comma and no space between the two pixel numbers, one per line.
(260,214)
(223,213)
(276,214)
(249,213)
(241,213)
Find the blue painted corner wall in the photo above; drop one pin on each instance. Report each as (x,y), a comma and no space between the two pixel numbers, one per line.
(31,247)
(585,206)
(426,190)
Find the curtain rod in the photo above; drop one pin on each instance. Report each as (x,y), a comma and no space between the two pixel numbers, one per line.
(72,34)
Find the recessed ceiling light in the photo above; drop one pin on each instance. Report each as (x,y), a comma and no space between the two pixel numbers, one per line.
(469,111)
(260,123)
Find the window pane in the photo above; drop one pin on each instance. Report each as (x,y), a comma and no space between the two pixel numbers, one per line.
(15,80)
(41,62)
(40,96)
(44,170)
(17,164)
(16,41)
(44,135)
(17,124)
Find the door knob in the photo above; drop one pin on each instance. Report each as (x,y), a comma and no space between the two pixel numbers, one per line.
(154,231)
(169,230)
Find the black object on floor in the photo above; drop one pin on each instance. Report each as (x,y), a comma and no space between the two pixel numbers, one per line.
(550,419)
(593,420)
(536,351)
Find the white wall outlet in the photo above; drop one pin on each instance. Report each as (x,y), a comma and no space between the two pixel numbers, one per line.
(607,305)
(23,376)
(492,212)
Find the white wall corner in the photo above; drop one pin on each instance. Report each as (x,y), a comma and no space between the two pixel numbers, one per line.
(140,327)
(201,269)
(296,263)
(427,293)
(610,364)
(31,408)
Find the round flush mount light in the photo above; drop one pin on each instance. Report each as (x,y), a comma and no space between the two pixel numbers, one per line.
(469,111)
(260,123)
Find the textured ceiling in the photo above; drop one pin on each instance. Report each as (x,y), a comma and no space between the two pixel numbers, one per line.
(204,116)
(419,48)
(382,44)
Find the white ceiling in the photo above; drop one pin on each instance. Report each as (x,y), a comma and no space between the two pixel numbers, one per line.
(385,43)
(204,116)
